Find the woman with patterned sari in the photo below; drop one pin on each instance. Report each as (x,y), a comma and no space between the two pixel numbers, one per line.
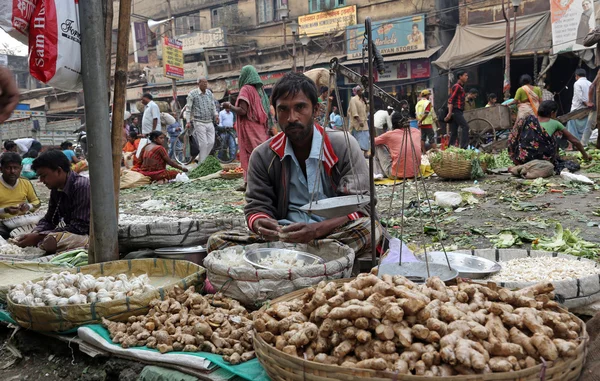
(253,117)
(534,138)
(154,159)
(527,98)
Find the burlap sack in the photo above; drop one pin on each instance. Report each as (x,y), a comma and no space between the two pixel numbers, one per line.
(13,273)
(591,368)
(253,287)
(132,179)
(533,169)
(164,274)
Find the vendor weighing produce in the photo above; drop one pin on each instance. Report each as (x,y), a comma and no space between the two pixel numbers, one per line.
(282,175)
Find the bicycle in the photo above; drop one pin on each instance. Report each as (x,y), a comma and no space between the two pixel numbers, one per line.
(225,148)
(181,153)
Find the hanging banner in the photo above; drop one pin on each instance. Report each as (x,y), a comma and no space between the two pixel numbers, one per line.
(191,72)
(420,69)
(401,35)
(139,35)
(316,24)
(173,58)
(572,20)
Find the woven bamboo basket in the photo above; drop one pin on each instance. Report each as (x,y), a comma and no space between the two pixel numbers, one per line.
(227,167)
(283,367)
(231,176)
(453,167)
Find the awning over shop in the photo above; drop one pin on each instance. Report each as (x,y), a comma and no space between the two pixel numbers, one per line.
(35,102)
(475,44)
(401,57)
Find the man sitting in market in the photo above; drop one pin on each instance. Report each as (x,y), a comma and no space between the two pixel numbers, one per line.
(66,224)
(282,173)
(17,195)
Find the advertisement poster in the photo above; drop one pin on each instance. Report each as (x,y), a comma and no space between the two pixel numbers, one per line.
(572,20)
(173,58)
(420,68)
(401,35)
(317,24)
(140,42)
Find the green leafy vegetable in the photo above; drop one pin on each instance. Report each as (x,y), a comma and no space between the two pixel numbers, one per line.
(208,167)
(568,242)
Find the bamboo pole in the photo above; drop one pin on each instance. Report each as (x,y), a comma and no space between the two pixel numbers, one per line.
(120,86)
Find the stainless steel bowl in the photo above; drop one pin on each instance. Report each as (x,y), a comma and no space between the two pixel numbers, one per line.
(194,254)
(468,266)
(254,257)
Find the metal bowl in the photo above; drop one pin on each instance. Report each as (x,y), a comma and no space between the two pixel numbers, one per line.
(195,254)
(417,271)
(336,206)
(468,266)
(254,257)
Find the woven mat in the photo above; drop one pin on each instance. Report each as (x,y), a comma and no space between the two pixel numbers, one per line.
(426,171)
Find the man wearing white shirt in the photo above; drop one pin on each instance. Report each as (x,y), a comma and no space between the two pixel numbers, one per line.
(580,100)
(226,122)
(383,120)
(151,118)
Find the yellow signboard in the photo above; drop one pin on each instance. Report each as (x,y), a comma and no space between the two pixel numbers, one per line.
(337,19)
(173,58)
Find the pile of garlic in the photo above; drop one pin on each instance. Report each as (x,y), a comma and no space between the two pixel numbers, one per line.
(65,288)
(10,250)
(544,269)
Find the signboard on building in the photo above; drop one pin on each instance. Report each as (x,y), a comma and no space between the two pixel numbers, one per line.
(196,42)
(139,34)
(173,60)
(268,80)
(401,35)
(338,19)
(134,93)
(191,72)
(572,20)
(167,91)
(403,70)
(420,69)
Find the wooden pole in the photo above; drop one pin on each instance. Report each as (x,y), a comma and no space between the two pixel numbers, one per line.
(108,19)
(119,93)
(598,105)
(174,104)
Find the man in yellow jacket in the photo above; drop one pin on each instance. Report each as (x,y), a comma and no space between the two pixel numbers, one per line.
(17,195)
(424,113)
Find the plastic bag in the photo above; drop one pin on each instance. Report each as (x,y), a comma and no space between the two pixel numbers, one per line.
(571,177)
(182,178)
(55,44)
(447,199)
(474,190)
(15,17)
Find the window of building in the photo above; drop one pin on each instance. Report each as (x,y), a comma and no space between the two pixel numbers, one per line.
(222,15)
(269,10)
(187,24)
(324,5)
(23,80)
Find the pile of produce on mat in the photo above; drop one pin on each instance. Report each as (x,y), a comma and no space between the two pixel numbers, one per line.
(10,250)
(189,322)
(542,269)
(67,288)
(430,329)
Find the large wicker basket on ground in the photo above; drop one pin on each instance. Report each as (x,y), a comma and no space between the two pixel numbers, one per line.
(283,367)
(453,166)
(232,175)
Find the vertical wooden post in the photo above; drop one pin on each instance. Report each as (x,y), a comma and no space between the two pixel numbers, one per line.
(119,93)
(598,105)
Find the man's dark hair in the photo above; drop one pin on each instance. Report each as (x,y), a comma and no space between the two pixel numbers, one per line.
(473,91)
(53,160)
(397,121)
(9,144)
(10,158)
(547,108)
(492,96)
(147,95)
(154,134)
(525,80)
(31,154)
(323,89)
(292,84)
(133,134)
(460,73)
(65,145)
(415,25)
(580,72)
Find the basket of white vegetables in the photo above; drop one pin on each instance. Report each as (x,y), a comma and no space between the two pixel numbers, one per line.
(84,295)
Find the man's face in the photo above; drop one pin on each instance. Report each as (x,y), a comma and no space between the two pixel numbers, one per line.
(13,149)
(295,114)
(135,120)
(464,78)
(415,29)
(359,93)
(586,5)
(52,179)
(203,84)
(145,101)
(472,96)
(11,172)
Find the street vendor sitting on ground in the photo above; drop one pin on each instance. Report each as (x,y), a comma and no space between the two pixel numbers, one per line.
(155,159)
(282,172)
(66,224)
(17,195)
(398,152)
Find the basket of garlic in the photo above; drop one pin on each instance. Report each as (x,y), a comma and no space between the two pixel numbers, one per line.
(113,290)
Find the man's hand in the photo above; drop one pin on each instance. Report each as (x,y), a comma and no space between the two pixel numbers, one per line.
(184,169)
(31,239)
(267,228)
(188,125)
(24,207)
(12,209)
(586,157)
(447,118)
(299,233)
(9,94)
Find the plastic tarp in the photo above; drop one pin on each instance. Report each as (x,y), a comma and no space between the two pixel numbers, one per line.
(475,44)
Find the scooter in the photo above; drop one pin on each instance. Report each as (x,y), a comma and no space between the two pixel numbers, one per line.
(81,145)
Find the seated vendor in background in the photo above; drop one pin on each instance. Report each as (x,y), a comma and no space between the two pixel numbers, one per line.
(66,224)
(398,152)
(282,173)
(17,195)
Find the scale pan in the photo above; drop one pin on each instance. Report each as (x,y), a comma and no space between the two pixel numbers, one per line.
(336,206)
(417,271)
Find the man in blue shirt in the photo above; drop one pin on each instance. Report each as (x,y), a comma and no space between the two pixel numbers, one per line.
(335,120)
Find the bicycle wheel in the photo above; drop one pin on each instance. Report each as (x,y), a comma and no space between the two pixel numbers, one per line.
(182,149)
(227,150)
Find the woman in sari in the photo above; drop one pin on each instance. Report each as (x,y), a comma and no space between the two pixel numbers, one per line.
(527,98)
(252,115)
(130,149)
(154,159)
(535,138)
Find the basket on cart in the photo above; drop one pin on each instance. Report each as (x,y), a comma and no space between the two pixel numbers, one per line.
(454,166)
(231,175)
(229,166)
(281,366)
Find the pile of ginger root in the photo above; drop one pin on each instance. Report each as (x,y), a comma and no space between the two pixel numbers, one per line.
(392,324)
(189,322)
